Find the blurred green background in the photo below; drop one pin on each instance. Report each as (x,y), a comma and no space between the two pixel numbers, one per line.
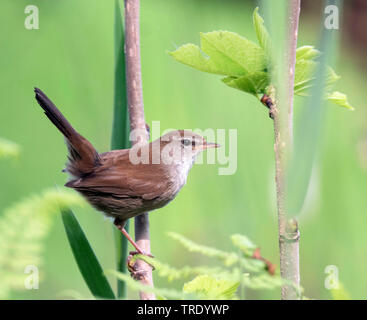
(71,58)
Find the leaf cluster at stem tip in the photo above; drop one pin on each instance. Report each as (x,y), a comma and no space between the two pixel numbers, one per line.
(247,66)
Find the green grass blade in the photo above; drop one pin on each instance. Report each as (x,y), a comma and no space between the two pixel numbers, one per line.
(120,129)
(120,133)
(121,258)
(86,259)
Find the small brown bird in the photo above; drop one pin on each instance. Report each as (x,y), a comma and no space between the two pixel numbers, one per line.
(126,183)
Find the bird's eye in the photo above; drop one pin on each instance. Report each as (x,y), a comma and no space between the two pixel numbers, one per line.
(186,142)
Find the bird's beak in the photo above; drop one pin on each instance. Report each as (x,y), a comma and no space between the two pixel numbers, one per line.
(208,145)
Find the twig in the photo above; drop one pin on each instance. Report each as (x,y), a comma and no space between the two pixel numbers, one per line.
(282,114)
(137,124)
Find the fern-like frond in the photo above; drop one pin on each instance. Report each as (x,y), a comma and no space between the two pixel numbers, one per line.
(212,282)
(263,281)
(228,258)
(244,244)
(23,228)
(171,273)
(162,293)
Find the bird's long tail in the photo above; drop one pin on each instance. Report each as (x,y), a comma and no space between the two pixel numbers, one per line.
(83,158)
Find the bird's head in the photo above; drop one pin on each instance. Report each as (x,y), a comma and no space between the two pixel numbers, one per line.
(181,146)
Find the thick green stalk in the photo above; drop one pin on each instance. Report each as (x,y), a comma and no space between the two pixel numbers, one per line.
(120,133)
(283,127)
(284,17)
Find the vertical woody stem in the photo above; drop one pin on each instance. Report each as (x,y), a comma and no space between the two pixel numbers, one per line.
(137,124)
(283,130)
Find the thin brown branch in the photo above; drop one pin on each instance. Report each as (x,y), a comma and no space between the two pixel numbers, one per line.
(137,124)
(282,113)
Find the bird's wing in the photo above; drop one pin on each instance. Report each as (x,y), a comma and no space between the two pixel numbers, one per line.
(119,177)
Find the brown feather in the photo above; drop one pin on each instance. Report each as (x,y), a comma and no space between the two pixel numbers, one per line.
(120,188)
(83,158)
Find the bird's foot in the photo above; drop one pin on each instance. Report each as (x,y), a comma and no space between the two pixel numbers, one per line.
(134,268)
(133,253)
(135,273)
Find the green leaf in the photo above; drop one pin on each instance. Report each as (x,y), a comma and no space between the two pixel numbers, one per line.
(224,53)
(230,49)
(191,55)
(331,78)
(304,79)
(339,98)
(85,257)
(261,33)
(307,53)
(253,83)
(209,287)
(305,75)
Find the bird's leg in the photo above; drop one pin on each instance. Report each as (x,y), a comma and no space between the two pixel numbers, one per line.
(136,274)
(121,226)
